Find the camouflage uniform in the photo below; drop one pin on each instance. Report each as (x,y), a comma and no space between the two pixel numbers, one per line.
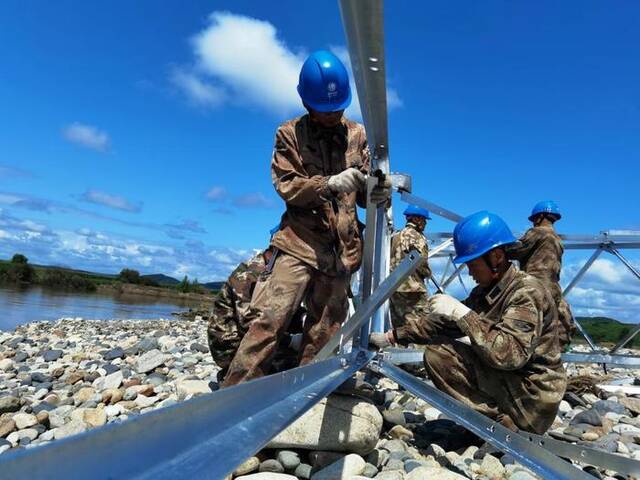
(540,254)
(228,324)
(512,370)
(409,302)
(319,242)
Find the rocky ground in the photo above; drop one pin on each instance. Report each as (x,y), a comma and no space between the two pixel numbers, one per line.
(62,378)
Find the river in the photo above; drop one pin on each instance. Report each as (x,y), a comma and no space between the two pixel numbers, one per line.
(20,306)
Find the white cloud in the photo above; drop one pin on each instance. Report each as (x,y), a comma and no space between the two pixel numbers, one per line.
(108,200)
(87,136)
(247,60)
(197,90)
(216,194)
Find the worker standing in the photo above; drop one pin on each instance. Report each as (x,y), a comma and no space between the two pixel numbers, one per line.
(409,302)
(539,253)
(318,168)
(511,371)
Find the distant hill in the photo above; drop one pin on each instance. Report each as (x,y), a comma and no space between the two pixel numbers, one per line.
(607,330)
(213,286)
(162,279)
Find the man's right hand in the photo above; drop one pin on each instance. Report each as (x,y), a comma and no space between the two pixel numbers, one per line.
(351,180)
(381,340)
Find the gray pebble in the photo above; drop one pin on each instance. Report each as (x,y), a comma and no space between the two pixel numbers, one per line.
(271,465)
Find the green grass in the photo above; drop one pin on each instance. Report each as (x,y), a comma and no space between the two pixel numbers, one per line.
(606,330)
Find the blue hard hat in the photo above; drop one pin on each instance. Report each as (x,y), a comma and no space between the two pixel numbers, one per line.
(274,230)
(478,233)
(324,82)
(545,206)
(417,211)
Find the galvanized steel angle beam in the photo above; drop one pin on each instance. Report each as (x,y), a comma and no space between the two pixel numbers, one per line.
(626,361)
(541,461)
(432,207)
(206,437)
(586,455)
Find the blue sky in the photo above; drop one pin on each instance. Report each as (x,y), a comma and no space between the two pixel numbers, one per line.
(140,134)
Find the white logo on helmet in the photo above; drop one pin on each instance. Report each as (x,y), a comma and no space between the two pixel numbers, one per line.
(332,88)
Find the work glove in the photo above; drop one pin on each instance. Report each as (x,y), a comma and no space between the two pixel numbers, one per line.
(295,342)
(446,305)
(348,181)
(381,340)
(381,192)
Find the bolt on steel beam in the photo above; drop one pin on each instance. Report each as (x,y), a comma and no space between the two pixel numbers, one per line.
(206,437)
(541,461)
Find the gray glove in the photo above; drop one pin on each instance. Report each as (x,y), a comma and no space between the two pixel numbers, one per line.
(351,180)
(381,192)
(380,340)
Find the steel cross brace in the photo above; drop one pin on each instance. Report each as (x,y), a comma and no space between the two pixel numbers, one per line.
(206,437)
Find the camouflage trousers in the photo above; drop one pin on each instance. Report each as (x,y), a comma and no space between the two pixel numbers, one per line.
(526,402)
(407,308)
(290,282)
(567,323)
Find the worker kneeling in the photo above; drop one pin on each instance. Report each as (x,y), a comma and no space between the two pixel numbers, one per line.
(511,371)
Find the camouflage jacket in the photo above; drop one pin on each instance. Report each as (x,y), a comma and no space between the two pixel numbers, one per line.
(513,328)
(402,242)
(539,253)
(318,227)
(232,304)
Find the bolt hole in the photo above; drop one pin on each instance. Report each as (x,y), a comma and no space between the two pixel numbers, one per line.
(374,69)
(507,438)
(373,59)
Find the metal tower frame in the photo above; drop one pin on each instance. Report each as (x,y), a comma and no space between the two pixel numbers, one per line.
(209,436)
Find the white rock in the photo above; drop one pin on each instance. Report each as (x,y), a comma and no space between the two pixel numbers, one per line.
(590,398)
(48,435)
(72,428)
(24,420)
(623,428)
(6,364)
(267,476)
(144,402)
(149,361)
(113,410)
(343,469)
(564,407)
(58,416)
(337,423)
(110,381)
(422,473)
(431,413)
(192,387)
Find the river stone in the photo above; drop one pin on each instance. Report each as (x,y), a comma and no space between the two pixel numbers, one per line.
(9,403)
(492,467)
(52,355)
(322,459)
(248,466)
(343,469)
(604,406)
(113,354)
(6,427)
(590,417)
(192,387)
(72,428)
(144,402)
(24,420)
(303,471)
(149,361)
(423,473)
(6,364)
(271,465)
(623,428)
(337,423)
(288,459)
(74,377)
(58,416)
(95,417)
(84,394)
(378,457)
(631,403)
(267,476)
(112,380)
(387,475)
(369,470)
(20,357)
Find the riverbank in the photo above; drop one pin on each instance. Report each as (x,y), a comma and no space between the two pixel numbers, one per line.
(157,292)
(65,377)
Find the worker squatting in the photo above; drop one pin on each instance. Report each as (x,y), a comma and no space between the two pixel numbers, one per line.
(498,351)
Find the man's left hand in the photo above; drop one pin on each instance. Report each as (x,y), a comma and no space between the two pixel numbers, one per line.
(444,304)
(381,192)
